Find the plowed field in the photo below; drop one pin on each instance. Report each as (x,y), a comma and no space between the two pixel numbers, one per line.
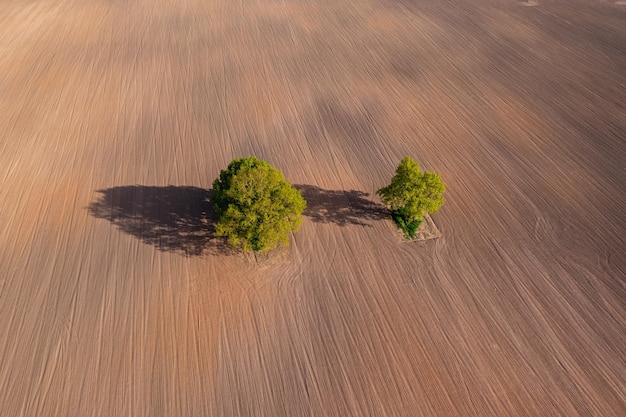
(116,299)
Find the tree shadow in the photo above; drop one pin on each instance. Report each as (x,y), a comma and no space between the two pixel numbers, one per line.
(182,219)
(174,219)
(340,207)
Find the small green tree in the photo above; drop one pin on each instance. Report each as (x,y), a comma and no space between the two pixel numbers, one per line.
(411,194)
(257,208)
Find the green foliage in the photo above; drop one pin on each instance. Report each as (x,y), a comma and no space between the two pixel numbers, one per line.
(409,227)
(411,194)
(256,206)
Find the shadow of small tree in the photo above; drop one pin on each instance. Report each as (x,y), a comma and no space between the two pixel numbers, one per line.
(174,219)
(340,207)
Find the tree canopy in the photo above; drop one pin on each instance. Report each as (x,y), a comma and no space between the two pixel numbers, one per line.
(256,206)
(411,194)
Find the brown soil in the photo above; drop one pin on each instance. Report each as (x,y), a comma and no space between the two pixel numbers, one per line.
(427,230)
(117,300)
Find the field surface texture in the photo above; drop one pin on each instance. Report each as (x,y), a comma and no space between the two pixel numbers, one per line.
(116,299)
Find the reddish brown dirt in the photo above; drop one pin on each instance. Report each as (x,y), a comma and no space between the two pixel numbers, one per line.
(116,116)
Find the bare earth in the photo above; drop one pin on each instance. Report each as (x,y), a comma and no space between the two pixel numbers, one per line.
(117,300)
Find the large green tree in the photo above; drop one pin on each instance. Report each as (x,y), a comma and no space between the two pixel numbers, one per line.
(256,206)
(411,194)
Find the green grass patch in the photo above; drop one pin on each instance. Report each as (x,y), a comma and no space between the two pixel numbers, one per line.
(409,227)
